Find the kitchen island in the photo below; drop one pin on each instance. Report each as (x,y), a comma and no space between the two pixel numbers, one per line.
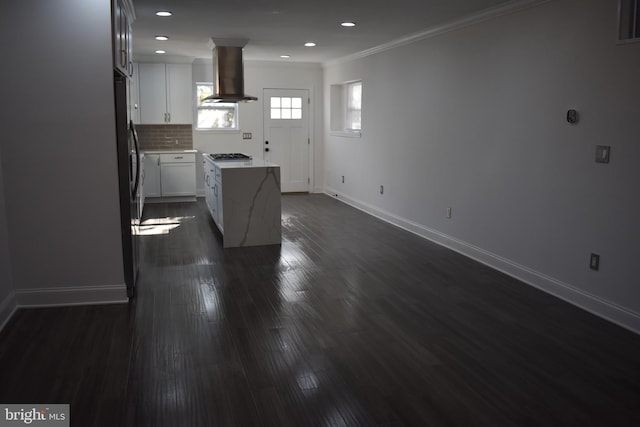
(243,198)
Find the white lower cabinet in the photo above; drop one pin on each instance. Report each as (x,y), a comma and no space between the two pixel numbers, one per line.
(152,175)
(213,196)
(219,199)
(141,186)
(170,174)
(178,179)
(210,189)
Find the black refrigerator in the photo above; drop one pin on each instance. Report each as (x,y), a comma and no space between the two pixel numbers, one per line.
(128,181)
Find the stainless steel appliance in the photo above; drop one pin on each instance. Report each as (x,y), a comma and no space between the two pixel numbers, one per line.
(228,71)
(128,181)
(230,156)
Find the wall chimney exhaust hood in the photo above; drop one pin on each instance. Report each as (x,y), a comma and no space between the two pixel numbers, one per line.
(228,71)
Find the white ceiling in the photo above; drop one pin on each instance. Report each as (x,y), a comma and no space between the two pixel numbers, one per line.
(281,27)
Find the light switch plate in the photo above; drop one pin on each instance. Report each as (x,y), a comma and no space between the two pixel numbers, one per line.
(247,135)
(603,153)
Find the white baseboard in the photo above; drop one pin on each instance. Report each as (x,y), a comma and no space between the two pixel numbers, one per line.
(8,306)
(78,295)
(601,307)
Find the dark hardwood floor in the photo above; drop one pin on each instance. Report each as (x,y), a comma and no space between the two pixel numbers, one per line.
(351,322)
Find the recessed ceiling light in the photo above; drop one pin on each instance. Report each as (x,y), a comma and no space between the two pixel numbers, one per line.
(160,52)
(162,38)
(285,56)
(348,24)
(163,13)
(310,44)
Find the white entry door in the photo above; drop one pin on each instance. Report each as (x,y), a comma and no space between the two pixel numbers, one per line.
(286,136)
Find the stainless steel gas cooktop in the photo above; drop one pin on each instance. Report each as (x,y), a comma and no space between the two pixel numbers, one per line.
(230,156)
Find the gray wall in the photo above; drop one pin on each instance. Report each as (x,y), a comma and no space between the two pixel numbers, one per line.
(474,119)
(7,299)
(58,152)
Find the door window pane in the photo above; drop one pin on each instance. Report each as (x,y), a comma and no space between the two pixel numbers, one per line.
(286,108)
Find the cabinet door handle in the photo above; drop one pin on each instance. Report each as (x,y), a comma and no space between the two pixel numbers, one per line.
(178,157)
(123,58)
(131,70)
(168,117)
(158,161)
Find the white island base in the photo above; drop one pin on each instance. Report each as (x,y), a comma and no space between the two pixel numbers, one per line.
(244,201)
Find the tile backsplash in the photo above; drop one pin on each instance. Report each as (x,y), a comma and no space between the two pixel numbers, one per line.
(165,137)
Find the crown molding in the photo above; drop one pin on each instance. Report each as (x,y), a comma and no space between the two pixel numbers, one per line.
(476,18)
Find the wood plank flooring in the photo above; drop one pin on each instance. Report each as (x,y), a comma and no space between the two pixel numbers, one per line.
(350,322)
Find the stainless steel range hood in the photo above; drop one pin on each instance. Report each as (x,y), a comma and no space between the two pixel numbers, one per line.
(228,71)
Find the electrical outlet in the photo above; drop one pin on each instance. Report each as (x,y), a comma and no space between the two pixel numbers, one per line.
(448,212)
(382,189)
(594,262)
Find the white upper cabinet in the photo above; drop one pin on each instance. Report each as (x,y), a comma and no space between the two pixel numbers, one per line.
(134,96)
(166,93)
(180,93)
(152,87)
(123,16)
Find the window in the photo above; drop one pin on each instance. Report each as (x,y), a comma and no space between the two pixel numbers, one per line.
(286,108)
(354,106)
(214,115)
(346,109)
(629,20)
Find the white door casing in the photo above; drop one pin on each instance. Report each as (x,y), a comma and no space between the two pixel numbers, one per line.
(286,136)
